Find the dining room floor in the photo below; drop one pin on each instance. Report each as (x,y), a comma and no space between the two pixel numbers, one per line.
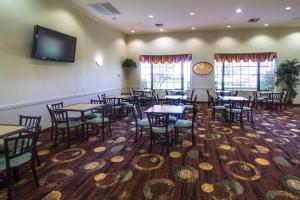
(227,162)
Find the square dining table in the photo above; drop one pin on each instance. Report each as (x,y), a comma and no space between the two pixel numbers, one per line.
(176,97)
(10,129)
(232,98)
(166,109)
(80,107)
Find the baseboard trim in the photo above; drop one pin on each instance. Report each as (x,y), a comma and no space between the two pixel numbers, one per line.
(45,101)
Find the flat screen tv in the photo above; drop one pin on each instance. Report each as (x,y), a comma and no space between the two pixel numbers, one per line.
(52,45)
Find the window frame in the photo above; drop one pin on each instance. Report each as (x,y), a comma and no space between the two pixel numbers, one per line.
(182,74)
(258,87)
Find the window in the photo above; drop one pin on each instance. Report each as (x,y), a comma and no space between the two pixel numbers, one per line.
(166,76)
(245,75)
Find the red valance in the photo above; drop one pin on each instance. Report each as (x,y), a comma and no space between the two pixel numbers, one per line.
(220,57)
(165,58)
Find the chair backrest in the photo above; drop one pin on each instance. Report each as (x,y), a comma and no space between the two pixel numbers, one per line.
(276,96)
(192,93)
(174,102)
(251,102)
(137,114)
(166,91)
(211,100)
(19,145)
(94,101)
(131,92)
(32,121)
(284,95)
(195,111)
(208,94)
(157,120)
(195,100)
(236,104)
(234,93)
(60,116)
(111,101)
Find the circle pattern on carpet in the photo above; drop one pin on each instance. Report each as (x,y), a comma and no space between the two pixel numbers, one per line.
(92,166)
(223,130)
(157,184)
(99,149)
(60,175)
(186,174)
(148,162)
(274,194)
(68,155)
(262,161)
(208,188)
(175,154)
(285,133)
(206,166)
(291,182)
(242,170)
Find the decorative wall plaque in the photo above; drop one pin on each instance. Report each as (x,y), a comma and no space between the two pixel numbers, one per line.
(203,68)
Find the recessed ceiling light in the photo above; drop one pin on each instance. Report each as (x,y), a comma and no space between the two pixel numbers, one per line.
(288,8)
(266,25)
(193,28)
(192,13)
(239,10)
(132,31)
(228,26)
(161,30)
(150,16)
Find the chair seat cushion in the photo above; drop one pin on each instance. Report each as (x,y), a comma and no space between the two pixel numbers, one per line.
(234,110)
(92,115)
(181,123)
(117,107)
(189,107)
(15,162)
(127,105)
(160,130)
(219,107)
(97,120)
(172,118)
(72,124)
(247,109)
(143,122)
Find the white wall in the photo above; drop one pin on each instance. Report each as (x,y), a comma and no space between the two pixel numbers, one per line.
(204,44)
(26,84)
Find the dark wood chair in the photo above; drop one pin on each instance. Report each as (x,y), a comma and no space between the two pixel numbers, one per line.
(140,122)
(187,123)
(19,150)
(208,97)
(235,111)
(34,122)
(115,103)
(248,108)
(160,129)
(166,91)
(64,125)
(102,122)
(216,107)
(94,113)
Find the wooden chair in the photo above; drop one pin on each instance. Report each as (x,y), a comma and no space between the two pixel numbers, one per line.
(166,91)
(192,95)
(19,150)
(102,121)
(140,122)
(208,97)
(186,123)
(248,109)
(115,103)
(94,113)
(234,111)
(64,125)
(160,129)
(258,100)
(216,108)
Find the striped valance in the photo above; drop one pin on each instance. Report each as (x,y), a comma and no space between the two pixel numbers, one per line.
(165,58)
(237,57)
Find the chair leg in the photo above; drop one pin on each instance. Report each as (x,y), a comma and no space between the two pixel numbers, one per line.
(37,157)
(87,131)
(252,117)
(68,137)
(102,131)
(141,131)
(34,173)
(136,132)
(55,137)
(193,137)
(151,140)
(52,131)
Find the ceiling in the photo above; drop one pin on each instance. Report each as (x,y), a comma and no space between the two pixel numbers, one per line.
(209,14)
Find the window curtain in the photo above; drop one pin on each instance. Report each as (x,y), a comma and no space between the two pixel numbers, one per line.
(165,58)
(269,56)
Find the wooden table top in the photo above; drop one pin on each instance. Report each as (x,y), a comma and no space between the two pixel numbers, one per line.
(80,107)
(8,129)
(232,98)
(171,109)
(181,97)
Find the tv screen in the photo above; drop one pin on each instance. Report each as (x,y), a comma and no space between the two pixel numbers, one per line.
(52,45)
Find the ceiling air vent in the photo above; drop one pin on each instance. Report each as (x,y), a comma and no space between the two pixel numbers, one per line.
(159,25)
(105,8)
(254,20)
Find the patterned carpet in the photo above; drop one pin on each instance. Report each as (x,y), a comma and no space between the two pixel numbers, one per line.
(228,162)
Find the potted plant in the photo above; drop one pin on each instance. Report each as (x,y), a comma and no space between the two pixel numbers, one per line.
(288,72)
(128,63)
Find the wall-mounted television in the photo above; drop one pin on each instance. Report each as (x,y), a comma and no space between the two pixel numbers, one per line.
(52,45)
